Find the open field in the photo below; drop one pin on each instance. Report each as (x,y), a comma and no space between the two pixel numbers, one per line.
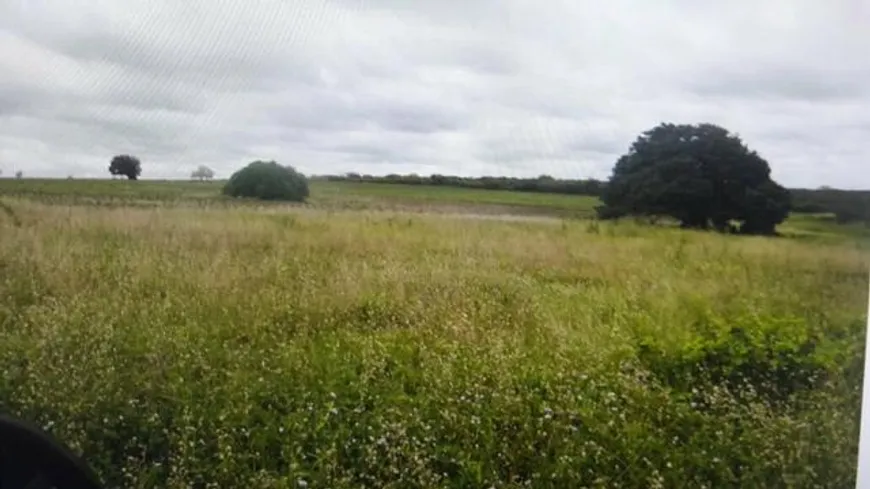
(228,345)
(324,195)
(822,227)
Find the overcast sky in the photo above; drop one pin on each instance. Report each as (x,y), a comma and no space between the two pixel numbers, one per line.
(471,87)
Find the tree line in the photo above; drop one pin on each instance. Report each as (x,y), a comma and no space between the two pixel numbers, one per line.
(542,184)
(846,205)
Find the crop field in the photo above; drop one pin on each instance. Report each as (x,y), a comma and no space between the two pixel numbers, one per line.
(200,342)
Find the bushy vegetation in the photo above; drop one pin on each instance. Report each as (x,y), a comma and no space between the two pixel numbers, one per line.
(180,347)
(267,180)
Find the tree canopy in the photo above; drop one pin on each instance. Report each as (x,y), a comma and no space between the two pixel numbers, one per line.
(202,172)
(126,165)
(267,180)
(701,175)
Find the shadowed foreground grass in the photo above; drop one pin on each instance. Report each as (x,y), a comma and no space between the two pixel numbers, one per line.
(239,348)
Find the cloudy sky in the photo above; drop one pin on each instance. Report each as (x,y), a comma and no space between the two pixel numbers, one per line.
(471,87)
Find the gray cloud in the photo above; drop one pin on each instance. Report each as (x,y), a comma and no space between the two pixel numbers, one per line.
(468,87)
(327,110)
(787,83)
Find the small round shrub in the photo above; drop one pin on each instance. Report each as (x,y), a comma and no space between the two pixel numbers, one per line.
(267,180)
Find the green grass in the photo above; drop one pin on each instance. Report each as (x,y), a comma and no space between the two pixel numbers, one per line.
(108,189)
(231,346)
(824,228)
(324,194)
(454,195)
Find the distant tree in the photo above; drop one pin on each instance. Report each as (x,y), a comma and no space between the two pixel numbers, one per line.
(267,180)
(126,165)
(19,174)
(701,175)
(202,173)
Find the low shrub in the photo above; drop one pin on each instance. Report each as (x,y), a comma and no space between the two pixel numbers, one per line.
(267,180)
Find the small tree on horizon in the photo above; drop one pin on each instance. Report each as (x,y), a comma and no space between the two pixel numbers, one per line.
(126,165)
(19,175)
(202,173)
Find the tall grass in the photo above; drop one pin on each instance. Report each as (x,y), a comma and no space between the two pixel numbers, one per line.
(182,347)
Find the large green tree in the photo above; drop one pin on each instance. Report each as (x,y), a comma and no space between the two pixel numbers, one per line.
(701,175)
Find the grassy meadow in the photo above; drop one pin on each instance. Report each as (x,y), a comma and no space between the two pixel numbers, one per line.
(324,195)
(198,342)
